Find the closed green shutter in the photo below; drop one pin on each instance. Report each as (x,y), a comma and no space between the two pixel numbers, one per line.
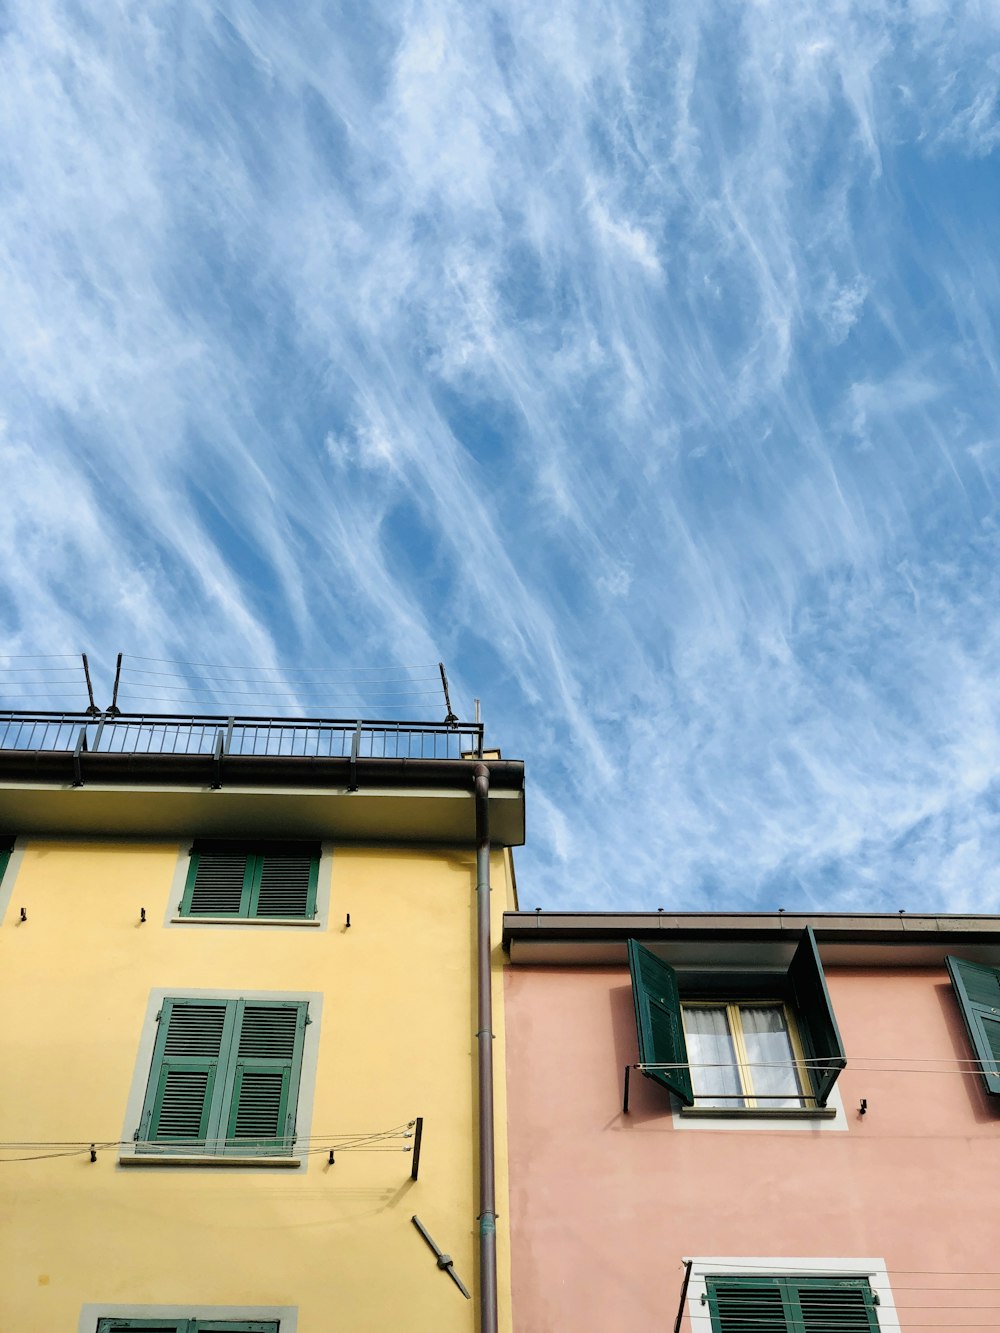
(218,883)
(225,1076)
(187,1079)
(763,1304)
(265,1076)
(188,1326)
(252,880)
(659,1027)
(978,990)
(817,1023)
(285,884)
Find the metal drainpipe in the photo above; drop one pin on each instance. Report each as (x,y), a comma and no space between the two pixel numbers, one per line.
(487,1166)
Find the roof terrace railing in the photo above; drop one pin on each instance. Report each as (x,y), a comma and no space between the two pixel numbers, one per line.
(205,734)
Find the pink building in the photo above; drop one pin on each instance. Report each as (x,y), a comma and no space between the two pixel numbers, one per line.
(812,1136)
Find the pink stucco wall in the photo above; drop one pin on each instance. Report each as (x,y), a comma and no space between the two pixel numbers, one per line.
(604,1206)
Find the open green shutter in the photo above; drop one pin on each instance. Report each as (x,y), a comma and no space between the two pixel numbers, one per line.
(262,1092)
(978,990)
(218,883)
(6,847)
(817,1022)
(658,1021)
(184,1095)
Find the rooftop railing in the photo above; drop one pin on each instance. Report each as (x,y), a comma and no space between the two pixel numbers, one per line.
(205,734)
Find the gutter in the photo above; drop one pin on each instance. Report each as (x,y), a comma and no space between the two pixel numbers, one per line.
(488,1315)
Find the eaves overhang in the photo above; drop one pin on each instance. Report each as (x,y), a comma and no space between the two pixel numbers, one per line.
(381,800)
(747,940)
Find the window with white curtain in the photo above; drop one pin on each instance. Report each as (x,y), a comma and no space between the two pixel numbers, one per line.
(745,1054)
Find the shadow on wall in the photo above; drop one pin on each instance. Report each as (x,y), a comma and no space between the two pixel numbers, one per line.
(648,1102)
(985,1107)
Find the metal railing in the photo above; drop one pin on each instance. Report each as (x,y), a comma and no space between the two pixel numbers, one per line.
(204,734)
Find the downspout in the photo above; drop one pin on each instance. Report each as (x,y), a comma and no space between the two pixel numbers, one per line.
(487,1166)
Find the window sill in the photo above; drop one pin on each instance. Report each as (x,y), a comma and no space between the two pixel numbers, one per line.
(204,1159)
(244,921)
(758,1112)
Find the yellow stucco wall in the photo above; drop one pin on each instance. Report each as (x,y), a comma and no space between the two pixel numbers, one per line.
(396,1040)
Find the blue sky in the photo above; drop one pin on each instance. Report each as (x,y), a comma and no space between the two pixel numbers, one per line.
(640,361)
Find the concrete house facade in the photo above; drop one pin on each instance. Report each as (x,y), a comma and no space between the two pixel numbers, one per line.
(242,960)
(753,1124)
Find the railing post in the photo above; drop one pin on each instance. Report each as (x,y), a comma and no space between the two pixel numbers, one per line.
(81,745)
(355,749)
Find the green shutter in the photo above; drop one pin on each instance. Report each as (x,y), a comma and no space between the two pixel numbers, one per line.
(219,883)
(188,1325)
(252,880)
(285,884)
(658,1021)
(147,1325)
(264,1079)
(6,847)
(225,1070)
(817,1023)
(764,1304)
(186,1081)
(978,991)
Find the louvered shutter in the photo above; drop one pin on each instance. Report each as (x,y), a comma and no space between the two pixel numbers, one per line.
(757,1306)
(241,1326)
(219,882)
(658,1021)
(262,1092)
(147,1325)
(978,990)
(835,1307)
(183,1097)
(6,847)
(270,879)
(763,1304)
(285,883)
(817,1022)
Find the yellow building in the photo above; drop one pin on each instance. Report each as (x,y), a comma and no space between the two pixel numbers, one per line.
(240,960)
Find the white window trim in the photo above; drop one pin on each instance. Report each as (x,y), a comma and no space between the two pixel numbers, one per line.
(874,1270)
(286,1315)
(140,1081)
(173,920)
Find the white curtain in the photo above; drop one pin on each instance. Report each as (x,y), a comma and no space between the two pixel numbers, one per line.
(712,1056)
(769,1051)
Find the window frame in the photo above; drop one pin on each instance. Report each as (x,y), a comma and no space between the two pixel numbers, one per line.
(256,851)
(663,1055)
(125,1323)
(156,1153)
(748,1099)
(797,1268)
(206,1318)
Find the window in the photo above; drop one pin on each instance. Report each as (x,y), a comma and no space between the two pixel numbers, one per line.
(6,847)
(977,988)
(113,1325)
(745,1053)
(269,880)
(224,1077)
(760,1042)
(791,1304)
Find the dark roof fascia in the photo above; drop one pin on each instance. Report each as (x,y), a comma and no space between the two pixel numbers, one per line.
(742,927)
(268,771)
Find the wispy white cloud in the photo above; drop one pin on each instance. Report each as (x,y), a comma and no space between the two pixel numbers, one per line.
(640,363)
